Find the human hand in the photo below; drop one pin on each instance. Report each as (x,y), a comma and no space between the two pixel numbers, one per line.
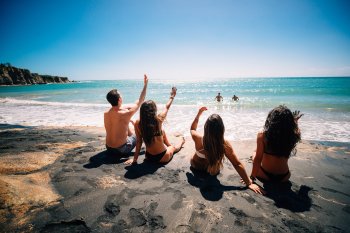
(130,161)
(202,109)
(173,92)
(297,115)
(145,79)
(256,188)
(251,180)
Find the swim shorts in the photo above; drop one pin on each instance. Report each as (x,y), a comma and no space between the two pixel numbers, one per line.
(126,148)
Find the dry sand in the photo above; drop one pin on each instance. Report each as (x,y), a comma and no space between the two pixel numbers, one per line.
(61,180)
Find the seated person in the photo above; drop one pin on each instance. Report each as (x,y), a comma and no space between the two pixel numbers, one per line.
(120,137)
(275,145)
(212,147)
(149,129)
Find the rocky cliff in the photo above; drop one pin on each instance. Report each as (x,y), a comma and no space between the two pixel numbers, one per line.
(10,75)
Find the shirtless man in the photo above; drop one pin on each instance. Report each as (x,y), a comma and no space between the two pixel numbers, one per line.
(235,98)
(120,137)
(219,98)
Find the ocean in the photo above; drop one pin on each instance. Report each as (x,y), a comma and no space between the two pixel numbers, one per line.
(325,103)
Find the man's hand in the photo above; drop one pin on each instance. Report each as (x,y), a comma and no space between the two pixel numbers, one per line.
(145,79)
(130,161)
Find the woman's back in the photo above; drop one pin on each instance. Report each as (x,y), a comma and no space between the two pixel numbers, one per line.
(149,129)
(274,164)
(157,144)
(200,159)
(276,144)
(212,147)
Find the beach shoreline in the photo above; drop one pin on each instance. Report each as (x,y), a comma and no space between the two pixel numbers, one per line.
(56,179)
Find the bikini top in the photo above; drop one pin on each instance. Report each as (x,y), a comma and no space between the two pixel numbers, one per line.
(200,155)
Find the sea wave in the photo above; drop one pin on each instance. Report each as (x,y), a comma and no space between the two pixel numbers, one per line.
(240,123)
(18,101)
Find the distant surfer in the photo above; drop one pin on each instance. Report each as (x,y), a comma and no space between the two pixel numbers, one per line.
(219,98)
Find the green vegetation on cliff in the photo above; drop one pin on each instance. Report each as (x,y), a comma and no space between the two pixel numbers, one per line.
(10,75)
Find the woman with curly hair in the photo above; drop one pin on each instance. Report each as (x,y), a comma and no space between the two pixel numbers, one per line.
(211,148)
(276,144)
(149,129)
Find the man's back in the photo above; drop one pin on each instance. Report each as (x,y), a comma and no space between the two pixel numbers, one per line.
(116,120)
(116,124)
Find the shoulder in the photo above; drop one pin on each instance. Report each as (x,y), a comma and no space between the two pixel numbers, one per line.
(123,111)
(197,138)
(229,152)
(195,135)
(260,135)
(160,118)
(107,114)
(227,145)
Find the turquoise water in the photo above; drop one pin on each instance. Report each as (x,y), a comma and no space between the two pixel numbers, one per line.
(304,93)
(325,102)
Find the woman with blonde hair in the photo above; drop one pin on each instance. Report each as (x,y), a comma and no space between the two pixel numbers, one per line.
(148,129)
(211,148)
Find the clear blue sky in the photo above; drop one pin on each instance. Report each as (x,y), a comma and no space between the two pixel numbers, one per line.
(118,39)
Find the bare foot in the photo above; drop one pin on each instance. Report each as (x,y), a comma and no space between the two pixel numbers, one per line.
(179,146)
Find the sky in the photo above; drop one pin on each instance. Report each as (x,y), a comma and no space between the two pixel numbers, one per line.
(176,39)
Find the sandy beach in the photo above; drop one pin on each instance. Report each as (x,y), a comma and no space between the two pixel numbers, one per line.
(61,180)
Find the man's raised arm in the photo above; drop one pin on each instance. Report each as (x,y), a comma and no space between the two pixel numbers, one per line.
(142,95)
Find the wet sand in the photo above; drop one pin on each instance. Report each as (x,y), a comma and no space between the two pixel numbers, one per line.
(61,180)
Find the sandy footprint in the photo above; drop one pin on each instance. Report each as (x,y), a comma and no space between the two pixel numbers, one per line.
(136,217)
(241,216)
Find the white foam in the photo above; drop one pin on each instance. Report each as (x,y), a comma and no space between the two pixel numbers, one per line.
(43,103)
(241,123)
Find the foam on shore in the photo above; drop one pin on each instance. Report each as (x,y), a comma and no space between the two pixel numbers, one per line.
(241,123)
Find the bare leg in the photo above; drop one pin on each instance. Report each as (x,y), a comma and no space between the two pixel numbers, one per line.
(165,139)
(179,145)
(171,150)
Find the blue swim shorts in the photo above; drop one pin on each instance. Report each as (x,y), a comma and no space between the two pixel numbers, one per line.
(126,148)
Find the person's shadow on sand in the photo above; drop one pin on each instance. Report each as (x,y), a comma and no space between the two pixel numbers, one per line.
(286,198)
(135,171)
(104,157)
(209,186)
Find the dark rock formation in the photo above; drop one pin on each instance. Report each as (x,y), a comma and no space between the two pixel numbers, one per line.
(10,75)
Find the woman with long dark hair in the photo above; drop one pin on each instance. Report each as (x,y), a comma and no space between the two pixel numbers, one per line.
(211,148)
(149,130)
(276,144)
